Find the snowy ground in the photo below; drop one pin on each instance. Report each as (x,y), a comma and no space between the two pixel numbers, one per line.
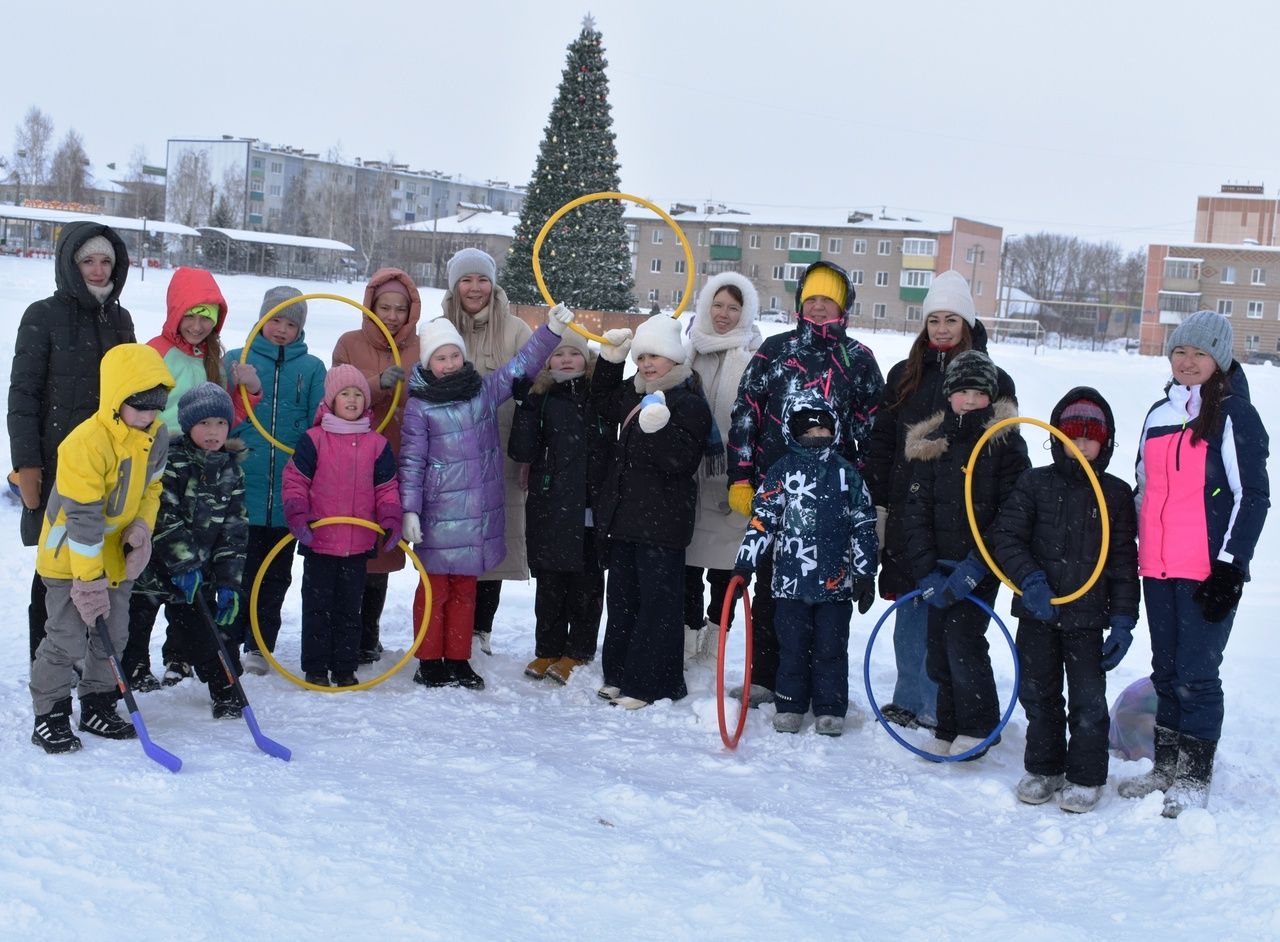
(534,812)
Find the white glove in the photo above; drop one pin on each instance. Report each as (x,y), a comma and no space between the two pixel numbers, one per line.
(654,413)
(411,528)
(136,536)
(617,344)
(882,516)
(558,318)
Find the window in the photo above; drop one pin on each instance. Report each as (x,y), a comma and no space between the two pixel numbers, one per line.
(778,272)
(915,279)
(879,311)
(1228,274)
(977,289)
(795,271)
(859,246)
(855,276)
(257,163)
(730,237)
(657,236)
(676,295)
(653,295)
(804,241)
(702,237)
(885,247)
(882,279)
(716,268)
(1224,306)
(920,247)
(779,242)
(395,184)
(754,241)
(835,246)
(1255,309)
(680,266)
(975,255)
(655,264)
(273,190)
(1259,277)
(857,308)
(755,271)
(915,312)
(1251,343)
(1188,268)
(277,166)
(773,302)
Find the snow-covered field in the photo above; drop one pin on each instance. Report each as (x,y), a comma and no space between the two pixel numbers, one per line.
(533,812)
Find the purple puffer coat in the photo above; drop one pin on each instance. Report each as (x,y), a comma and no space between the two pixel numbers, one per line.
(451,468)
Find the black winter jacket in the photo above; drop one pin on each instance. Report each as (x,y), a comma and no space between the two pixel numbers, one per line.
(557,432)
(53,385)
(886,470)
(934,519)
(1050,522)
(650,491)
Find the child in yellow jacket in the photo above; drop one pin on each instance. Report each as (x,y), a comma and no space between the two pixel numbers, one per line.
(103,505)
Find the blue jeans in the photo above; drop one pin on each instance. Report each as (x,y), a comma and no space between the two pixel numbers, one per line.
(914,690)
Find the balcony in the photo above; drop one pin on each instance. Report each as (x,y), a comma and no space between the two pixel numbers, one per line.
(726,253)
(790,286)
(918,262)
(1175,305)
(912,295)
(803,256)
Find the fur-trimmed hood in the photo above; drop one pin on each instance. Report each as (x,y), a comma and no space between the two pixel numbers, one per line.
(927,440)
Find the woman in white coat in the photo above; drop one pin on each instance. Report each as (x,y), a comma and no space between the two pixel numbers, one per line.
(722,338)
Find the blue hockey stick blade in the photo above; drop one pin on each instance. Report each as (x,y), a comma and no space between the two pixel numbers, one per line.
(264,742)
(153,751)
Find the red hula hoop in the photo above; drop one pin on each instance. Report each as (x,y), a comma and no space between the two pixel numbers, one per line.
(732,741)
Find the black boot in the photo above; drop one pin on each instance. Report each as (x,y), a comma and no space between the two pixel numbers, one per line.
(226,702)
(464,676)
(53,729)
(1190,787)
(98,716)
(141,680)
(345,679)
(434,674)
(319,678)
(1161,775)
(375,597)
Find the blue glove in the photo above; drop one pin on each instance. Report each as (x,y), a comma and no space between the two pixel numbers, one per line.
(188,584)
(1036,595)
(965,577)
(933,590)
(228,607)
(1117,643)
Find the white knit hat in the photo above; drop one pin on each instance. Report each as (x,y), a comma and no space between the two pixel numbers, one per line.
(659,335)
(436,333)
(950,292)
(470,261)
(575,340)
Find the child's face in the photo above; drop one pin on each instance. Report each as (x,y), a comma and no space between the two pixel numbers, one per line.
(349,403)
(279,330)
(137,418)
(194,328)
(392,309)
(209,434)
(968,400)
(1191,365)
(473,292)
(945,329)
(95,268)
(567,360)
(653,366)
(1088,447)
(816,432)
(445,360)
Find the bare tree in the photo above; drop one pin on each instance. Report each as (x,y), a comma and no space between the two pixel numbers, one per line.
(32,143)
(296,217)
(372,217)
(146,198)
(232,195)
(190,192)
(330,198)
(69,178)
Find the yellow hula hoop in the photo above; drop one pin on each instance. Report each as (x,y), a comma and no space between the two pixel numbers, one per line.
(1093,480)
(364,684)
(591,198)
(244,358)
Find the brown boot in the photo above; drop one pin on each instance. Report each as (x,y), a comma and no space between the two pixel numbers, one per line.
(561,669)
(537,668)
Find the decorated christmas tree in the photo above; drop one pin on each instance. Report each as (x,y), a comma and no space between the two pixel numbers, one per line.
(586,261)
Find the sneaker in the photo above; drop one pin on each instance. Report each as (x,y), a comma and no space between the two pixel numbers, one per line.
(464,676)
(98,716)
(175,672)
(828,725)
(371,655)
(787,722)
(319,678)
(609,692)
(52,731)
(482,641)
(345,679)
(630,703)
(537,668)
(254,663)
(1036,789)
(899,716)
(141,680)
(561,669)
(757,696)
(1079,799)
(434,674)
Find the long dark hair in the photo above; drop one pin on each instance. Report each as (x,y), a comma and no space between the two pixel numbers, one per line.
(914,371)
(1208,424)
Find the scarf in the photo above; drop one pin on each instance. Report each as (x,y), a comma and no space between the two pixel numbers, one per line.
(563,376)
(742,337)
(715,460)
(456,387)
(101,294)
(331,423)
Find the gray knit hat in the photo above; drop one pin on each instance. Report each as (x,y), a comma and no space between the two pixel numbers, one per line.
(206,401)
(100,245)
(294,312)
(471,262)
(1209,331)
(971,370)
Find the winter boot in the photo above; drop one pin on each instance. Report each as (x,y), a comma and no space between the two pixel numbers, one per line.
(1079,799)
(434,673)
(609,692)
(1161,775)
(53,729)
(1036,789)
(692,642)
(98,716)
(464,676)
(483,642)
(937,746)
(899,716)
(827,725)
(561,669)
(141,680)
(1190,787)
(537,668)
(254,663)
(962,744)
(757,696)
(319,678)
(345,679)
(630,703)
(226,703)
(175,672)
(371,655)
(787,722)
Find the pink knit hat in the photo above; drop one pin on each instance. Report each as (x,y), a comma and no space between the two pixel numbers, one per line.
(342,376)
(391,286)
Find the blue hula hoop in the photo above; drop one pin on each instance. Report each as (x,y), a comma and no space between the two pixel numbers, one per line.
(1004,720)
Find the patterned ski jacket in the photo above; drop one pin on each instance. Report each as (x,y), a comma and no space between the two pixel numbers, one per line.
(1203,501)
(814,513)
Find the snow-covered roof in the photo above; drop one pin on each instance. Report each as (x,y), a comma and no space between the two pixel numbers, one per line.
(115,222)
(802,219)
(495,224)
(278,238)
(1217,247)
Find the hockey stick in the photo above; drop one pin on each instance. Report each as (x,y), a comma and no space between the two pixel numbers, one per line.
(153,751)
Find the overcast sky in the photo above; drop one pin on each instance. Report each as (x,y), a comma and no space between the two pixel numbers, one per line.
(1100,119)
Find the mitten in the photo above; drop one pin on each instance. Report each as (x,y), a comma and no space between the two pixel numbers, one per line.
(188,584)
(933,590)
(740,497)
(1117,643)
(617,344)
(1218,595)
(90,599)
(866,596)
(1036,595)
(411,527)
(29,480)
(654,414)
(295,515)
(390,376)
(392,526)
(228,607)
(965,577)
(136,542)
(558,319)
